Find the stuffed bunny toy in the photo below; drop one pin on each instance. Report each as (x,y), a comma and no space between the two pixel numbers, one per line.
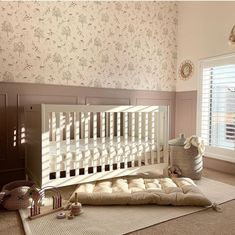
(197,142)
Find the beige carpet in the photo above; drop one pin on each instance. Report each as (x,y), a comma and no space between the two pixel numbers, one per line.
(120,220)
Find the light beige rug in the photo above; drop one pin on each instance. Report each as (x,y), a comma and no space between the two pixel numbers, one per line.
(97,220)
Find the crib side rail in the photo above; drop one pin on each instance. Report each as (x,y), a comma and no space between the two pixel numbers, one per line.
(84,143)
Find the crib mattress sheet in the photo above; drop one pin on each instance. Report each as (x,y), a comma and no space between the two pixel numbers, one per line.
(134,191)
(63,144)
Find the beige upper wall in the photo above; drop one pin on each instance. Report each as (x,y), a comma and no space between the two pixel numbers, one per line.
(203,31)
(96,44)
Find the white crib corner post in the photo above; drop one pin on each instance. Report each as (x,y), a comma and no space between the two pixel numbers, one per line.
(45,135)
(166,134)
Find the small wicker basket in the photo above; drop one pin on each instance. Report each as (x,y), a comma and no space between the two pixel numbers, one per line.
(189,160)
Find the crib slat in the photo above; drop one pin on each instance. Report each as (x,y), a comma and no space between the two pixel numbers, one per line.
(67,132)
(118,129)
(82,123)
(166,135)
(158,134)
(53,164)
(119,150)
(106,124)
(125,127)
(96,154)
(76,131)
(86,130)
(140,147)
(112,152)
(133,144)
(125,133)
(95,128)
(59,138)
(78,156)
(102,129)
(146,132)
(53,127)
(67,142)
(46,158)
(82,133)
(59,132)
(152,135)
(111,128)
(86,153)
(102,135)
(62,125)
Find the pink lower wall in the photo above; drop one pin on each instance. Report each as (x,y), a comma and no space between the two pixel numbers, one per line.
(218,165)
(186,112)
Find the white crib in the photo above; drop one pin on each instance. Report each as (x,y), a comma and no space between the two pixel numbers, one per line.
(70,144)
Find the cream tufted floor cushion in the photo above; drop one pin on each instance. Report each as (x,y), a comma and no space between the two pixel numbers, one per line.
(133,191)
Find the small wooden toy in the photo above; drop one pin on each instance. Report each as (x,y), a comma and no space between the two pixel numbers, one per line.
(76,208)
(61,215)
(37,196)
(70,216)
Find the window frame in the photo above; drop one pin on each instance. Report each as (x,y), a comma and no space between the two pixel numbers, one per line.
(211,151)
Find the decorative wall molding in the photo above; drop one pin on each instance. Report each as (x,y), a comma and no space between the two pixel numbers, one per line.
(3,125)
(107,100)
(186,110)
(219,165)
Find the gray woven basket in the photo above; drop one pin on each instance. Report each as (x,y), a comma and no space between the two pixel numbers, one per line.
(189,160)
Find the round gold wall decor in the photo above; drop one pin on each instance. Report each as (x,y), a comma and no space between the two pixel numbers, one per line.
(186,70)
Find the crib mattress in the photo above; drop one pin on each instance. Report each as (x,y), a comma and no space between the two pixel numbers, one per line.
(134,191)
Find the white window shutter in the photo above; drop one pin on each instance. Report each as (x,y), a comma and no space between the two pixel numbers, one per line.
(217,113)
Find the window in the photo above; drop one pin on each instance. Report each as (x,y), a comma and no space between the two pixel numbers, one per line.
(217,106)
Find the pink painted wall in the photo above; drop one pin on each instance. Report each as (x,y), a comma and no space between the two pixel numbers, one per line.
(186,112)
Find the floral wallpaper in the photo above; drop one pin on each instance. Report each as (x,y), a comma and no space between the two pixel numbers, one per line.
(97,44)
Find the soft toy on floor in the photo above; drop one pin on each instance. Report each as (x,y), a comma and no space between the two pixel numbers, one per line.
(197,142)
(174,172)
